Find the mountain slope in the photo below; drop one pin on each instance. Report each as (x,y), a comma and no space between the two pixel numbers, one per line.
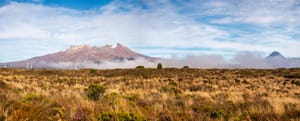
(83,54)
(276,60)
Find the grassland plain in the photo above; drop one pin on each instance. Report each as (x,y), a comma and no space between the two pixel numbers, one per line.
(150,94)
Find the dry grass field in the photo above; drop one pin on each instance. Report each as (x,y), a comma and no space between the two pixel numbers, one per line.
(150,94)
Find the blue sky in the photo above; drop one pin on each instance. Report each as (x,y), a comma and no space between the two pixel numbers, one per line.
(161,28)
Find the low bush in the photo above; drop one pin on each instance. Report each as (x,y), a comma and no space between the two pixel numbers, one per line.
(159,66)
(217,114)
(195,88)
(93,71)
(185,67)
(95,91)
(29,97)
(292,75)
(173,83)
(139,67)
(120,116)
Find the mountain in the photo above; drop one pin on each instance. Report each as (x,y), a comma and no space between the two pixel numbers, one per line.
(82,55)
(277,60)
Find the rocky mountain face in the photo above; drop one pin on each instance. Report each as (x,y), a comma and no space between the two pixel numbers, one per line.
(83,54)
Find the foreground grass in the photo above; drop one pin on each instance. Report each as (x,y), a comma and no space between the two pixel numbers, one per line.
(150,94)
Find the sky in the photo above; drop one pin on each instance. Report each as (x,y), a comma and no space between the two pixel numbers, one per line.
(160,28)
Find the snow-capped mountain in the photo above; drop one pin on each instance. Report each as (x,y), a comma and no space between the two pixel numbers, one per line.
(83,54)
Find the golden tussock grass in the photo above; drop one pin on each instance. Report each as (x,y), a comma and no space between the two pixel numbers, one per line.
(150,94)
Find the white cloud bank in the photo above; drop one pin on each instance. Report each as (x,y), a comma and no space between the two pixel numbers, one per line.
(103,65)
(241,60)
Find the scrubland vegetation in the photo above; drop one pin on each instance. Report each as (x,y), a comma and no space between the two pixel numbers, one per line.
(150,94)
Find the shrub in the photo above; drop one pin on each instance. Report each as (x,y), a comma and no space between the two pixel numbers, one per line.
(58,113)
(217,114)
(171,89)
(93,71)
(139,67)
(95,91)
(29,97)
(292,75)
(173,83)
(131,98)
(195,88)
(186,67)
(120,116)
(159,66)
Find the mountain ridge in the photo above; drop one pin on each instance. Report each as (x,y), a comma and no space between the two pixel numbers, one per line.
(84,53)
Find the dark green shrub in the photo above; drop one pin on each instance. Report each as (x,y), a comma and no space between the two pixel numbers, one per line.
(31,97)
(58,112)
(95,91)
(131,98)
(159,66)
(139,67)
(186,67)
(93,71)
(173,83)
(195,88)
(217,114)
(120,116)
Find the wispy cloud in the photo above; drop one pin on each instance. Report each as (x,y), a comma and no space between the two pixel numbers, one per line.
(262,12)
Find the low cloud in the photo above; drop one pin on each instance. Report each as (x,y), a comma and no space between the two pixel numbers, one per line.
(241,60)
(251,60)
(194,61)
(102,65)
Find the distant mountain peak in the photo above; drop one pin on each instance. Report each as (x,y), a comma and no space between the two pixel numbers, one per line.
(275,53)
(277,60)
